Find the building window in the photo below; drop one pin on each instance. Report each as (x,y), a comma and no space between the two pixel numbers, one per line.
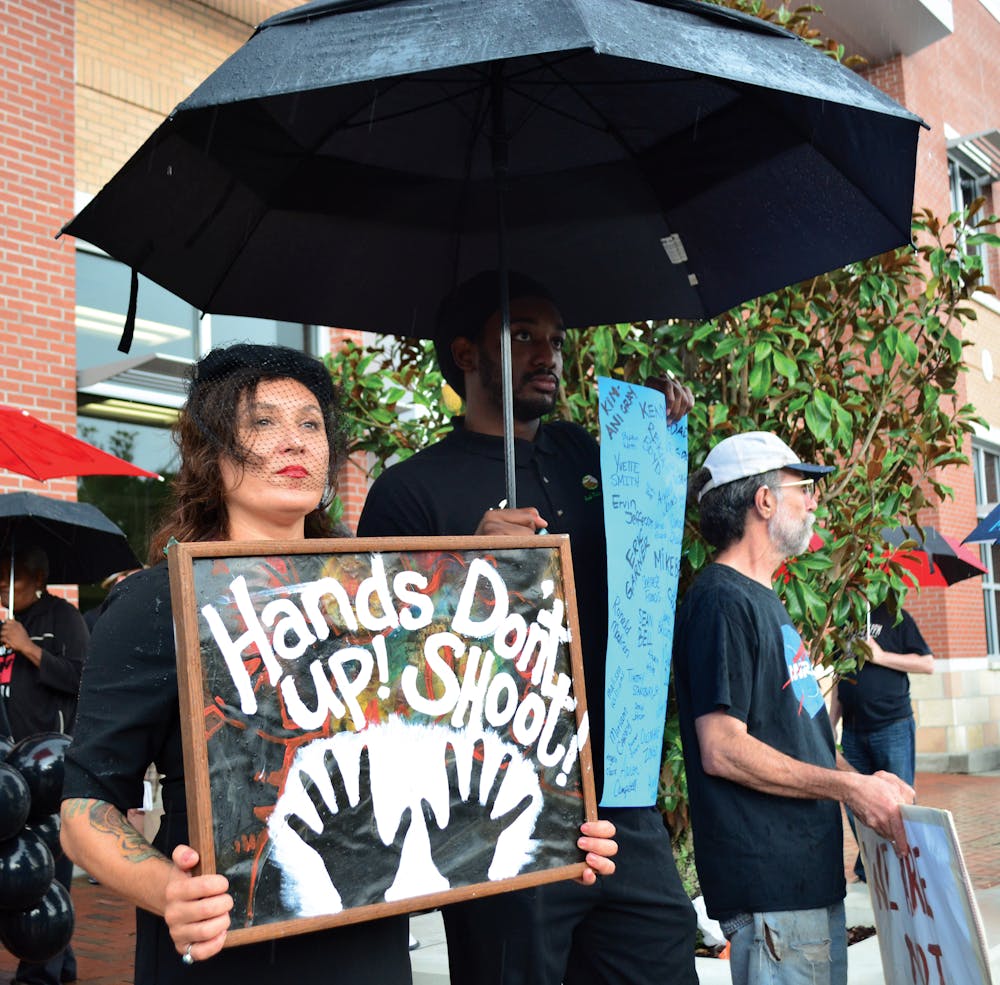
(126,403)
(986,468)
(164,323)
(973,166)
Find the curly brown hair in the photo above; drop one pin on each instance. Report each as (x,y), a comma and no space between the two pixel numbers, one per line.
(207,430)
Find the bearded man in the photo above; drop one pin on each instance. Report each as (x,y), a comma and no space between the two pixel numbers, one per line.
(764,775)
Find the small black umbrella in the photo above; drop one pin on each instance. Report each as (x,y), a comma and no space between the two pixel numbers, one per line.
(83,545)
(643,158)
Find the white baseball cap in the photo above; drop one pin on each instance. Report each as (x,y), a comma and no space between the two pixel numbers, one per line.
(753,453)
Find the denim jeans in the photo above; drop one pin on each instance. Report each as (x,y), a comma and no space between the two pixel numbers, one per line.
(791,947)
(891,748)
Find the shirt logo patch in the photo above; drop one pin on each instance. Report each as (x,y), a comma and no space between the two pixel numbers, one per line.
(801,674)
(590,482)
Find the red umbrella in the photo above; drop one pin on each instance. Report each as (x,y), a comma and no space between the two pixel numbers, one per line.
(30,447)
(936,560)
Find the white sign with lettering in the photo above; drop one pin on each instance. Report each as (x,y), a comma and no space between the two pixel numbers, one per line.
(929,928)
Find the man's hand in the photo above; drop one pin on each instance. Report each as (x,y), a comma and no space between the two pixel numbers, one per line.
(511,523)
(875,801)
(905,663)
(463,846)
(679,397)
(878,654)
(344,829)
(197,907)
(15,636)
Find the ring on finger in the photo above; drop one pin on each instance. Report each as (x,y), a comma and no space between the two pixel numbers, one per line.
(187,957)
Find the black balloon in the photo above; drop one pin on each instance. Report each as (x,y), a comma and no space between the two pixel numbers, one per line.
(26,869)
(39,759)
(37,933)
(15,801)
(48,830)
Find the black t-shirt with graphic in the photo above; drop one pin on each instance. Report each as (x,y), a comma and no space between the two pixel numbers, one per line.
(878,696)
(735,649)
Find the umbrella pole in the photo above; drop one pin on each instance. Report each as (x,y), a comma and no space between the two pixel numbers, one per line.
(5,728)
(500,164)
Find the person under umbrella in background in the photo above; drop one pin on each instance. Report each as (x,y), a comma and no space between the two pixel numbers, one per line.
(43,644)
(639,925)
(261,444)
(879,731)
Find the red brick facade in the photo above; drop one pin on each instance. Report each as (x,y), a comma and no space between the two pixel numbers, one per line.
(38,351)
(950,84)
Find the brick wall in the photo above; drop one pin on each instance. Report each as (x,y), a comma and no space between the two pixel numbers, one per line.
(37,355)
(135,62)
(949,83)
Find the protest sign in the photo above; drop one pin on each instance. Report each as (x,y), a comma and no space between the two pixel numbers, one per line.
(371,728)
(929,928)
(644,474)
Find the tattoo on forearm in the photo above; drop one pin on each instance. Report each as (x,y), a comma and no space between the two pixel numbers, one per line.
(107,819)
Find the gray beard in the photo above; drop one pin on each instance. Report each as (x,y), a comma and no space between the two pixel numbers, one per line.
(790,537)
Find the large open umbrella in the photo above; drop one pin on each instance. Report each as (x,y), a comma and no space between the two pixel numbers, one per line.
(643,158)
(33,448)
(83,545)
(935,558)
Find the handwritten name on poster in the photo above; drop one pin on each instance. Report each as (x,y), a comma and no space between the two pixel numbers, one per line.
(928,922)
(644,475)
(380,726)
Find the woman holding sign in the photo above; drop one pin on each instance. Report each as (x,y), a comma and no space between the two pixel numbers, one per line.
(261,444)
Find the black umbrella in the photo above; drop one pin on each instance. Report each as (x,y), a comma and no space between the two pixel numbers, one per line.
(649,159)
(83,545)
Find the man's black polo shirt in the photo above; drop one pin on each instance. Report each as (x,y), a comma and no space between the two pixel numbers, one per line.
(445,490)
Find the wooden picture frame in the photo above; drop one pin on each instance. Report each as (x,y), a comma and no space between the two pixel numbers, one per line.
(378,726)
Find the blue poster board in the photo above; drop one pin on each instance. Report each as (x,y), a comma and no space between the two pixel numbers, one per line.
(644,476)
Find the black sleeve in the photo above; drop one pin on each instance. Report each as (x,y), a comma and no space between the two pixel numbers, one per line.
(394,508)
(912,639)
(128,695)
(63,656)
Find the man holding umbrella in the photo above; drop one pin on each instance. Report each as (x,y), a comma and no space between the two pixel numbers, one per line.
(43,644)
(637,926)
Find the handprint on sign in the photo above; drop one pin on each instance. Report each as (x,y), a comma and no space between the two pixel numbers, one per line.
(464,842)
(348,832)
